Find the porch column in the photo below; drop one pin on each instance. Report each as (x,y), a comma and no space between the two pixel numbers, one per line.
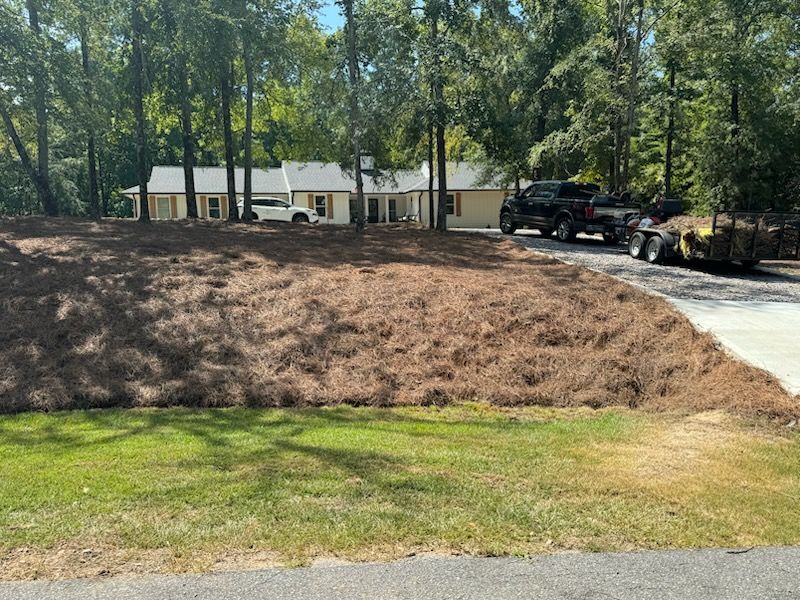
(386,206)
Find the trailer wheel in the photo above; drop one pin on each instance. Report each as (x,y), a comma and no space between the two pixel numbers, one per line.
(655,250)
(636,245)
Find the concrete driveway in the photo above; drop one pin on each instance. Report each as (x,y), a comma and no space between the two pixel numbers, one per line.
(755,315)
(765,334)
(700,574)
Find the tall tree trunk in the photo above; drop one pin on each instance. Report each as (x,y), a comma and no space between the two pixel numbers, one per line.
(226,83)
(441,159)
(247,213)
(183,98)
(138,109)
(431,214)
(91,153)
(439,111)
(633,93)
(620,40)
(670,132)
(101,176)
(735,120)
(41,185)
(541,125)
(39,75)
(355,113)
(188,143)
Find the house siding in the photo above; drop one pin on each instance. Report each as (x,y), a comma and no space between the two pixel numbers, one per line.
(479,209)
(340,201)
(179,209)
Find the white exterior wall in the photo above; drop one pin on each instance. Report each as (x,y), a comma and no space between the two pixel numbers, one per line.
(341,206)
(182,206)
(479,209)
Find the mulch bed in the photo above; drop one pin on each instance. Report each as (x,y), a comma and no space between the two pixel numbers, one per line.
(211,314)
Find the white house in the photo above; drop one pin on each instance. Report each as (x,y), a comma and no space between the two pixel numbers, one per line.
(330,191)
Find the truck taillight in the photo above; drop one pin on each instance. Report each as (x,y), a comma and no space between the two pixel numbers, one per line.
(589,211)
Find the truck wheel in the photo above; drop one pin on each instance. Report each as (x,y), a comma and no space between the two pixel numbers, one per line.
(636,245)
(545,233)
(655,250)
(507,224)
(565,231)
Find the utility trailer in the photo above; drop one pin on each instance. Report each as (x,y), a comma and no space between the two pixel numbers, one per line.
(744,237)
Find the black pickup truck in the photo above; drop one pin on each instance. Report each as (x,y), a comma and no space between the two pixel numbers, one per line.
(565,207)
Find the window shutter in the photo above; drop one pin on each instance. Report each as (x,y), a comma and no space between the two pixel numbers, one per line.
(223,205)
(151,205)
(203,207)
(330,206)
(458,204)
(173,206)
(311,201)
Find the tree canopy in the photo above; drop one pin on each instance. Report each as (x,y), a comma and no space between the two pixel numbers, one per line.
(699,100)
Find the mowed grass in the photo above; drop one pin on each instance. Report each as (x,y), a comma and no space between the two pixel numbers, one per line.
(366,483)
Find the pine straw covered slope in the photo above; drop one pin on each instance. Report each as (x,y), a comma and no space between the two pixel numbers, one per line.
(119,314)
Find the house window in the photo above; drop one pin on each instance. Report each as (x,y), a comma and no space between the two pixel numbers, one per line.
(214,210)
(162,208)
(320,205)
(451,204)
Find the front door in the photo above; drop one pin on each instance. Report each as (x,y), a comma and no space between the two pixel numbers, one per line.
(372,210)
(392,210)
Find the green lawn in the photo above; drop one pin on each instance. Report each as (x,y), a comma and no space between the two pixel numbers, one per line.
(374,483)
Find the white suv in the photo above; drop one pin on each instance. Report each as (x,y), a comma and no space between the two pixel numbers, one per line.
(275,209)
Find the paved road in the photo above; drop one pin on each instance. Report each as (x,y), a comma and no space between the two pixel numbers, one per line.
(712,574)
(755,315)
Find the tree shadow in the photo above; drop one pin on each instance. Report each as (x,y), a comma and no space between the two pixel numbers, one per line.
(116,313)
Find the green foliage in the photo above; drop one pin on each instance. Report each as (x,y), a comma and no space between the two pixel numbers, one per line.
(532,88)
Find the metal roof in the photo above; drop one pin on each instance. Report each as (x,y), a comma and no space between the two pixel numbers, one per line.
(315,177)
(330,177)
(461,176)
(211,180)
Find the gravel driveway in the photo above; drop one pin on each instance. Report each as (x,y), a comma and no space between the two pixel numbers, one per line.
(713,281)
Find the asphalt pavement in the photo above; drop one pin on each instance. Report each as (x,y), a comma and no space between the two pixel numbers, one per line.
(712,574)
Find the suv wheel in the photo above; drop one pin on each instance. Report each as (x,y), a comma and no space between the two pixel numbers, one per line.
(507,224)
(565,231)
(299,218)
